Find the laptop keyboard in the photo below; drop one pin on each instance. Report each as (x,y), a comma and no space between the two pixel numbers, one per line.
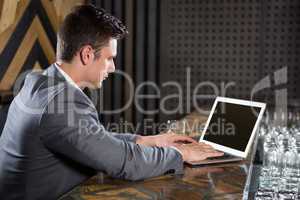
(225,156)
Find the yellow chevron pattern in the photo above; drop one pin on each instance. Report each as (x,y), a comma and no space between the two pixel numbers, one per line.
(35,32)
(4,36)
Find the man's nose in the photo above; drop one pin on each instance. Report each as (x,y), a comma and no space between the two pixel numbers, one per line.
(112,67)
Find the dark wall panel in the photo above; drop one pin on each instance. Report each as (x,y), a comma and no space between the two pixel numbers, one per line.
(239,41)
(281,42)
(230,44)
(137,56)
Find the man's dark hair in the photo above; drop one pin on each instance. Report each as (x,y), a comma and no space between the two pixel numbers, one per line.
(87,25)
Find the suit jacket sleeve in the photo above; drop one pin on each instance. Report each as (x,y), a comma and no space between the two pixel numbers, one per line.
(125,136)
(71,128)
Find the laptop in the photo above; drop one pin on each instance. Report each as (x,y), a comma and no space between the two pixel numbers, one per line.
(231,128)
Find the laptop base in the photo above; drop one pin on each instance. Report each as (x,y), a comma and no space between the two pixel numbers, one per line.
(215,160)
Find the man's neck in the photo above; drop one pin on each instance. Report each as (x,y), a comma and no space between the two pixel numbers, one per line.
(71,71)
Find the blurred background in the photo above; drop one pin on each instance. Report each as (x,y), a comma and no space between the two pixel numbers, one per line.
(234,47)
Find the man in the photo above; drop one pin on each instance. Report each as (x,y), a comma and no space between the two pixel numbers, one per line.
(53,140)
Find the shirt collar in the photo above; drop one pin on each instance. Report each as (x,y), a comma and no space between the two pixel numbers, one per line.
(66,76)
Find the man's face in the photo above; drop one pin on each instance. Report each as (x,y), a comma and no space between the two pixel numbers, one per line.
(101,67)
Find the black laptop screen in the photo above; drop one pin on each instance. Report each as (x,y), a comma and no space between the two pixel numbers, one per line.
(231,125)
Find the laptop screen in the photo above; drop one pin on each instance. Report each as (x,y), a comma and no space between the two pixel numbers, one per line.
(231,125)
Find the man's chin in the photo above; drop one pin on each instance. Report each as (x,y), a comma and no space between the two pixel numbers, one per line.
(98,85)
(94,86)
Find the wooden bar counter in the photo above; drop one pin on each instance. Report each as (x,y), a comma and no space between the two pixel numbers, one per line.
(219,181)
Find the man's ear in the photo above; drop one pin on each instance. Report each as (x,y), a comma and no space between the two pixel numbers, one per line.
(86,54)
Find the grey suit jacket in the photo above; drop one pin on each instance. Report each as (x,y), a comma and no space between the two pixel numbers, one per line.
(53,140)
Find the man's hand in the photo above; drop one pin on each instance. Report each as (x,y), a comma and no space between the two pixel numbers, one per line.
(196,152)
(190,149)
(164,140)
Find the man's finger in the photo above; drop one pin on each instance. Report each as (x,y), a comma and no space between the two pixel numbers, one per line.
(204,144)
(215,154)
(209,151)
(190,139)
(185,138)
